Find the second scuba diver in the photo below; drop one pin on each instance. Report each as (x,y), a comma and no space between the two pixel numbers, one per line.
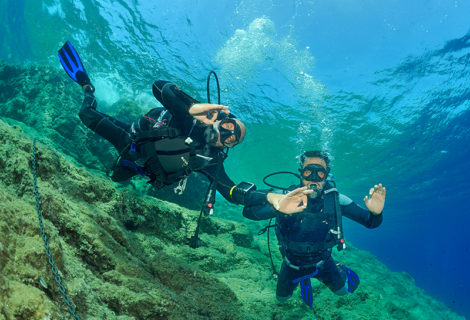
(308,225)
(166,144)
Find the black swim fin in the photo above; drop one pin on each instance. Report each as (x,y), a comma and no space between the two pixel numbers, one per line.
(72,64)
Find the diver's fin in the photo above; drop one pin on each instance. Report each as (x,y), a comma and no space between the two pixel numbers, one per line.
(306,287)
(72,64)
(353,279)
(306,291)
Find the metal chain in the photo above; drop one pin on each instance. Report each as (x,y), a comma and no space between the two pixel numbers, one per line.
(62,288)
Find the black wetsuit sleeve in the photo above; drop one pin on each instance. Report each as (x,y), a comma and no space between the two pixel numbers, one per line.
(174,100)
(257,206)
(361,215)
(223,184)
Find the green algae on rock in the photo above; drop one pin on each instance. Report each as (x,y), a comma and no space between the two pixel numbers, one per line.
(110,272)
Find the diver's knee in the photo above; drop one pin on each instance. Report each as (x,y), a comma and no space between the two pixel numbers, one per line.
(283,299)
(88,115)
(349,286)
(343,291)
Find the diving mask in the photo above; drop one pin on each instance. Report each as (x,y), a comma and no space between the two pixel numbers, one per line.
(314,172)
(229,138)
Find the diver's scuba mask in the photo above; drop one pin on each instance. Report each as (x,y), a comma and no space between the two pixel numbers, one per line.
(213,132)
(314,173)
(226,134)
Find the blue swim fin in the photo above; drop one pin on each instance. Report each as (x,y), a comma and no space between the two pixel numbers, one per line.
(306,290)
(306,287)
(353,279)
(72,64)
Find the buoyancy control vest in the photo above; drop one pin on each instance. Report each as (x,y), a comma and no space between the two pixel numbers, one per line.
(310,233)
(165,153)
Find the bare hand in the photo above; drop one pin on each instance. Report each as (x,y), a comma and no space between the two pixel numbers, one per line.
(293,202)
(376,200)
(206,112)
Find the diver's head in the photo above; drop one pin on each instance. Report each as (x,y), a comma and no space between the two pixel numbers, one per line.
(226,132)
(314,169)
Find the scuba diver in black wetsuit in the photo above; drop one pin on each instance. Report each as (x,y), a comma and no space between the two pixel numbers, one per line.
(308,226)
(166,144)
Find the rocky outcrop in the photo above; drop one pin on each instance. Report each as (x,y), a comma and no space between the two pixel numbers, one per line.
(109,245)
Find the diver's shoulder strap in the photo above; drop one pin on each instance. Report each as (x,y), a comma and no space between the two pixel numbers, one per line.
(332,209)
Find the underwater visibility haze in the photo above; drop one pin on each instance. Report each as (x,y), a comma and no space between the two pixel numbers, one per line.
(382,86)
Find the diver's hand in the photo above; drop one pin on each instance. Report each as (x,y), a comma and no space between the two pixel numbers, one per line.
(376,200)
(293,202)
(206,112)
(274,198)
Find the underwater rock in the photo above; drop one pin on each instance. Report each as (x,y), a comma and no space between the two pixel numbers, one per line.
(109,271)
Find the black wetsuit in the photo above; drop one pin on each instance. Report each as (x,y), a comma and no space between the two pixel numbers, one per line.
(302,239)
(133,161)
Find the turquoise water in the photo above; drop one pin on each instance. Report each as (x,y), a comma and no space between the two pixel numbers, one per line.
(383,86)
